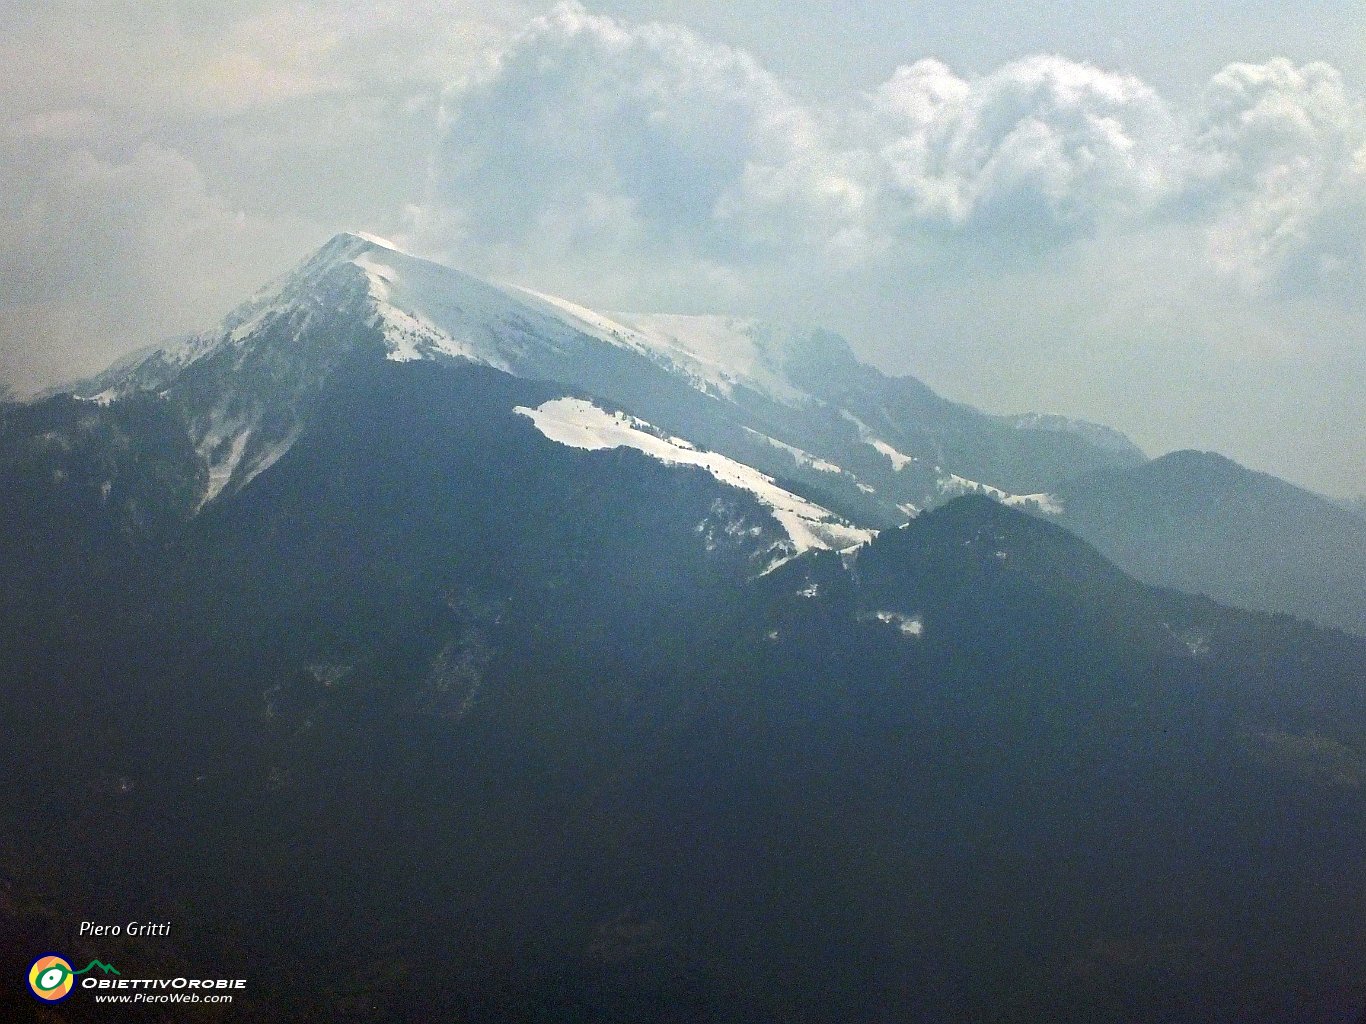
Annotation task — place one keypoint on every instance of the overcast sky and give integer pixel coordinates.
(1148, 214)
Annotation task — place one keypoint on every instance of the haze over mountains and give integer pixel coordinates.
(422, 632)
(725, 384)
(1200, 522)
(792, 404)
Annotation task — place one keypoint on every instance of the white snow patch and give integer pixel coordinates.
(236, 432)
(1048, 504)
(222, 469)
(1197, 641)
(898, 460)
(269, 457)
(954, 484)
(733, 525)
(800, 457)
(588, 320)
(715, 354)
(581, 424)
(908, 625)
(192, 349)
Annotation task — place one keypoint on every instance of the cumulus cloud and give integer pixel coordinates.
(1042, 144)
(1285, 175)
(589, 135)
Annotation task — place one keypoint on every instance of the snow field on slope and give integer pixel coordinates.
(581, 424)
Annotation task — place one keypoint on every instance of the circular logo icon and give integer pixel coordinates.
(51, 978)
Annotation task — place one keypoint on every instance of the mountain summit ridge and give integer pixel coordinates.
(794, 403)
(790, 411)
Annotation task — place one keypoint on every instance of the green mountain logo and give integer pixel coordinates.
(106, 968)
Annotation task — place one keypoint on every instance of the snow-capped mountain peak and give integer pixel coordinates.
(793, 405)
(383, 243)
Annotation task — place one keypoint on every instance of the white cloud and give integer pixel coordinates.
(623, 145)
(589, 139)
(1041, 144)
(1286, 176)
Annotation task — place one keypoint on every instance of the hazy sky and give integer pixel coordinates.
(1148, 214)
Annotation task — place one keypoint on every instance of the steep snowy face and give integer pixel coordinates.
(427, 311)
(424, 310)
(324, 288)
(414, 308)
